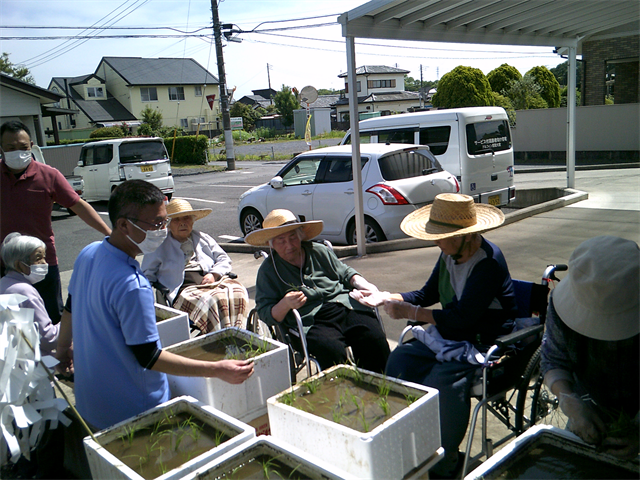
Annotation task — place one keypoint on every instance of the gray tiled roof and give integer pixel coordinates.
(325, 101)
(383, 97)
(373, 69)
(160, 71)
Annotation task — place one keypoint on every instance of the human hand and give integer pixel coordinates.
(584, 420)
(65, 359)
(294, 299)
(233, 371)
(370, 298)
(210, 278)
(397, 309)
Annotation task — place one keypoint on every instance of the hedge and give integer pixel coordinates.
(189, 150)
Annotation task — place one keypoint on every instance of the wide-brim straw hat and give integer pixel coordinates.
(451, 215)
(179, 207)
(598, 298)
(280, 221)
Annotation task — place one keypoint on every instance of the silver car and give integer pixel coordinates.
(318, 185)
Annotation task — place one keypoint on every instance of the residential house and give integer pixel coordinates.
(122, 87)
(28, 104)
(379, 89)
(260, 98)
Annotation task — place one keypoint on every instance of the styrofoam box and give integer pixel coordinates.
(391, 450)
(560, 439)
(245, 401)
(174, 326)
(308, 466)
(104, 465)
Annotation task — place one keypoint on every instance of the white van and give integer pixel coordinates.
(106, 164)
(473, 143)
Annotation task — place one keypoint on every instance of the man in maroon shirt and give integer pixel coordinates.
(28, 190)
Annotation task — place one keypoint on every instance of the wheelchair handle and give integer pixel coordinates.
(550, 272)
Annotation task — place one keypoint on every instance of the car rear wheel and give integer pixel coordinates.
(250, 220)
(372, 232)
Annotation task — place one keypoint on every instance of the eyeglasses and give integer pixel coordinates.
(154, 226)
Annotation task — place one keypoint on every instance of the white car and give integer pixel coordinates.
(318, 185)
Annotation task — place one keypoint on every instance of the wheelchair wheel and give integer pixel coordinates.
(535, 403)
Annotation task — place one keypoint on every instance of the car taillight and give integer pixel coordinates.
(512, 193)
(457, 184)
(388, 195)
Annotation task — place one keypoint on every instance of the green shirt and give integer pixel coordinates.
(323, 279)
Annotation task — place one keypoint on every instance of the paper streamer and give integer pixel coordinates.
(27, 399)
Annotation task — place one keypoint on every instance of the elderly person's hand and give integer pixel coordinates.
(211, 278)
(584, 421)
(294, 299)
(369, 298)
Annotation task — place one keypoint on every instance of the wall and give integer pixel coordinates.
(64, 158)
(320, 121)
(599, 128)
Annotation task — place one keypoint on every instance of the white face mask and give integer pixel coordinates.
(152, 240)
(37, 272)
(18, 159)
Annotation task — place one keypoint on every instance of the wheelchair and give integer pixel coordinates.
(298, 359)
(509, 384)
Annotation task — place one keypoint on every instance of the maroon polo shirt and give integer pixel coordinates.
(26, 202)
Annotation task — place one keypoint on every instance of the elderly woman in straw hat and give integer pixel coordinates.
(309, 277)
(471, 281)
(590, 350)
(193, 267)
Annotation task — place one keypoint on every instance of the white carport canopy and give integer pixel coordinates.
(564, 24)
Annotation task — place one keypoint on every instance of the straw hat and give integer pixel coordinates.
(598, 297)
(280, 221)
(451, 215)
(179, 207)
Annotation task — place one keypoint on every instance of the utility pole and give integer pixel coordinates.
(269, 79)
(421, 91)
(224, 98)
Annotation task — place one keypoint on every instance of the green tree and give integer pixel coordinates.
(21, 73)
(500, 78)
(525, 94)
(463, 87)
(560, 72)
(413, 85)
(563, 97)
(286, 103)
(328, 91)
(248, 114)
(152, 117)
(505, 102)
(550, 88)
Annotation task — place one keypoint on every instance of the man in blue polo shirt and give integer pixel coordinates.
(118, 360)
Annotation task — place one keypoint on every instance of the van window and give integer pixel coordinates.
(436, 137)
(484, 137)
(133, 152)
(365, 137)
(103, 154)
(86, 156)
(400, 135)
(407, 165)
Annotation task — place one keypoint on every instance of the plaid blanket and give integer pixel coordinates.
(215, 306)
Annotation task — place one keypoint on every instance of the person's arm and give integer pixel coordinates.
(230, 371)
(290, 301)
(89, 216)
(221, 261)
(398, 309)
(64, 349)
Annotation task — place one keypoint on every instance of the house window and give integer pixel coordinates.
(198, 90)
(176, 93)
(346, 87)
(184, 123)
(381, 84)
(95, 92)
(148, 94)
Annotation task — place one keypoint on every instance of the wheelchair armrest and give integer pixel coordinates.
(161, 288)
(515, 337)
(232, 275)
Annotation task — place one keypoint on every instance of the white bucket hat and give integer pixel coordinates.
(280, 221)
(598, 297)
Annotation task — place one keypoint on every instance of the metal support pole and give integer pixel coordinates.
(355, 146)
(224, 98)
(571, 119)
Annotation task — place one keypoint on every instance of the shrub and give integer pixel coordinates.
(107, 132)
(188, 150)
(264, 132)
(463, 87)
(550, 88)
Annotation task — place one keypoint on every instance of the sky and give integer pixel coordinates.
(284, 49)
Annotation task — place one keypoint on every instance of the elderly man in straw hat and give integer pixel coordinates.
(194, 268)
(590, 352)
(472, 283)
(309, 277)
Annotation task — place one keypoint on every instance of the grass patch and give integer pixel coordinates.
(208, 168)
(247, 158)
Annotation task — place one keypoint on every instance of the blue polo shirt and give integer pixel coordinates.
(113, 307)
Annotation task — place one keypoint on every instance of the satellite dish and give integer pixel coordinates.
(308, 94)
